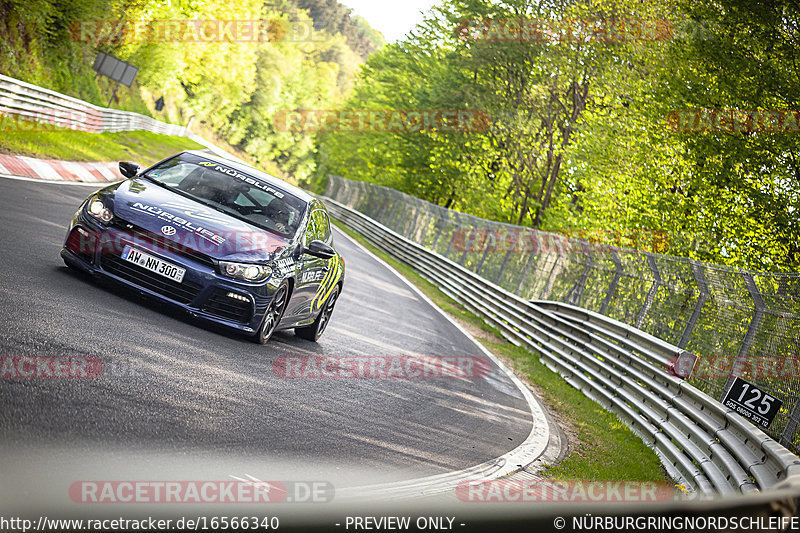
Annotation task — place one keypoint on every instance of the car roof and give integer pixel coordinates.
(248, 169)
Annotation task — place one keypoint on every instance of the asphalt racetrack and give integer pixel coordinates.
(181, 401)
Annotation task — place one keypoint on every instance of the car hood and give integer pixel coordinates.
(192, 224)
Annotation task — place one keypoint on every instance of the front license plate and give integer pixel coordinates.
(153, 264)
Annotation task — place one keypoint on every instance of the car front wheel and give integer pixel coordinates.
(273, 315)
(315, 330)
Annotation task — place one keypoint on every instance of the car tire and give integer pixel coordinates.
(273, 315)
(315, 330)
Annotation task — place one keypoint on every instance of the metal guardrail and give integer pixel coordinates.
(739, 323)
(38, 104)
(704, 445)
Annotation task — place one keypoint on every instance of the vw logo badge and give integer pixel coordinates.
(168, 231)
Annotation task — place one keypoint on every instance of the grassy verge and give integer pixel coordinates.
(601, 447)
(20, 138)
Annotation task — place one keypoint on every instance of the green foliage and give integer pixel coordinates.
(232, 89)
(333, 17)
(37, 48)
(580, 138)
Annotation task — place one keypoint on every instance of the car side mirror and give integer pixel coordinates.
(128, 170)
(319, 249)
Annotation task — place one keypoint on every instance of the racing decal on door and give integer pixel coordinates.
(311, 276)
(328, 283)
(285, 266)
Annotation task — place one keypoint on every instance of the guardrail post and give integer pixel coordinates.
(412, 228)
(353, 194)
(422, 223)
(396, 212)
(356, 194)
(505, 259)
(466, 245)
(752, 329)
(576, 292)
(381, 200)
(339, 185)
(347, 194)
(430, 220)
(458, 227)
(443, 218)
(385, 202)
(503, 267)
(378, 202)
(368, 205)
(363, 199)
(330, 188)
(403, 222)
(473, 226)
(700, 279)
(528, 265)
(651, 262)
(555, 269)
(483, 257)
(612, 288)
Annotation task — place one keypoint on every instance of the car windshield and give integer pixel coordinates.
(232, 192)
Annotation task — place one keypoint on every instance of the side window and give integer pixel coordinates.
(319, 227)
(312, 233)
(325, 226)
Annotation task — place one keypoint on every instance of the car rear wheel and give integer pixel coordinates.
(273, 315)
(314, 331)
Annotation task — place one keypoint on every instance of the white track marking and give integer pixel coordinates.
(524, 454)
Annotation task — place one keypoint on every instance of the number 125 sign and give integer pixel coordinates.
(752, 403)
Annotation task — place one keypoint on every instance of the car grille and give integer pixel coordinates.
(142, 235)
(221, 305)
(180, 292)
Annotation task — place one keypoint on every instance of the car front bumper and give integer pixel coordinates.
(203, 293)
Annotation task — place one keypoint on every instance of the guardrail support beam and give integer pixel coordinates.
(700, 279)
(651, 262)
(612, 288)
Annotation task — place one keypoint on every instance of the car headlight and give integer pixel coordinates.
(98, 210)
(245, 271)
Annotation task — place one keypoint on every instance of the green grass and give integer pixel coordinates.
(601, 447)
(60, 143)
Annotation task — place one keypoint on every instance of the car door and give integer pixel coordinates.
(313, 270)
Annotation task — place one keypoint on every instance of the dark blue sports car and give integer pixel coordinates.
(222, 240)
